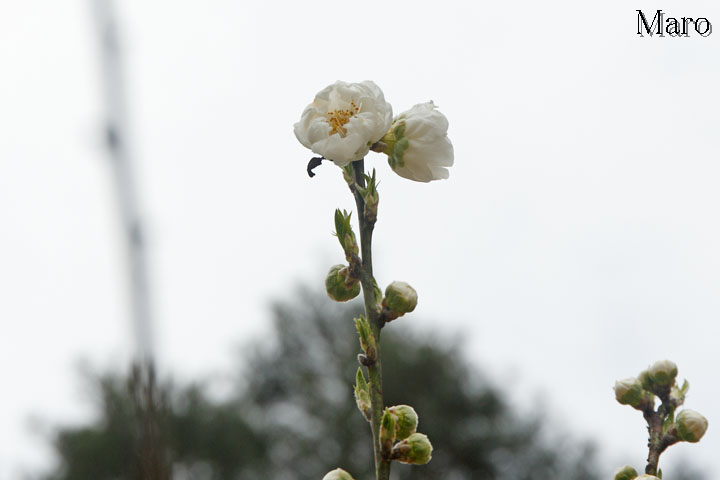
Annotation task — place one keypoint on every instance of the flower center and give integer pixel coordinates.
(338, 118)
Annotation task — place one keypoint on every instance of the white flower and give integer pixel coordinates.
(344, 120)
(417, 144)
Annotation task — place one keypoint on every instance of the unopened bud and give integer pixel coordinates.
(663, 373)
(400, 298)
(646, 476)
(406, 421)
(415, 450)
(691, 426)
(630, 392)
(625, 473)
(338, 474)
(339, 286)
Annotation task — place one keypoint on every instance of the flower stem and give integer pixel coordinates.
(655, 434)
(658, 441)
(372, 313)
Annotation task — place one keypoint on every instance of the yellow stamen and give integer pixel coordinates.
(338, 118)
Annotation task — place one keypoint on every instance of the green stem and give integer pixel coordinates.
(382, 466)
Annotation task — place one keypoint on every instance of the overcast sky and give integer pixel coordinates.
(575, 242)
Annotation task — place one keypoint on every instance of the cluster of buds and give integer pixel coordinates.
(664, 426)
(344, 122)
(399, 438)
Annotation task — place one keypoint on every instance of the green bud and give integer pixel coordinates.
(415, 450)
(625, 473)
(387, 432)
(691, 426)
(646, 381)
(338, 474)
(663, 373)
(339, 286)
(630, 392)
(362, 393)
(406, 421)
(400, 298)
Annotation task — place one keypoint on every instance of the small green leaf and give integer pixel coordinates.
(362, 394)
(339, 224)
(685, 387)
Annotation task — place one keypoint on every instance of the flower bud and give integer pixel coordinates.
(415, 450)
(630, 392)
(663, 373)
(646, 476)
(400, 298)
(625, 473)
(645, 380)
(417, 144)
(691, 426)
(339, 286)
(406, 421)
(338, 474)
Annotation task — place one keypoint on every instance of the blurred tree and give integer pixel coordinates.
(293, 415)
(683, 470)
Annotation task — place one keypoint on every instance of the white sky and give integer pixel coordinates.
(575, 242)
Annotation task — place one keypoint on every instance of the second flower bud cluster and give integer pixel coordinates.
(659, 381)
(665, 426)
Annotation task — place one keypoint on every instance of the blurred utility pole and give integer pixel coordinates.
(153, 462)
(116, 127)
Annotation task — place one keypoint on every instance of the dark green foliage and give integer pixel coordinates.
(294, 416)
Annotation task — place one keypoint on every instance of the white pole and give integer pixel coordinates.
(117, 143)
